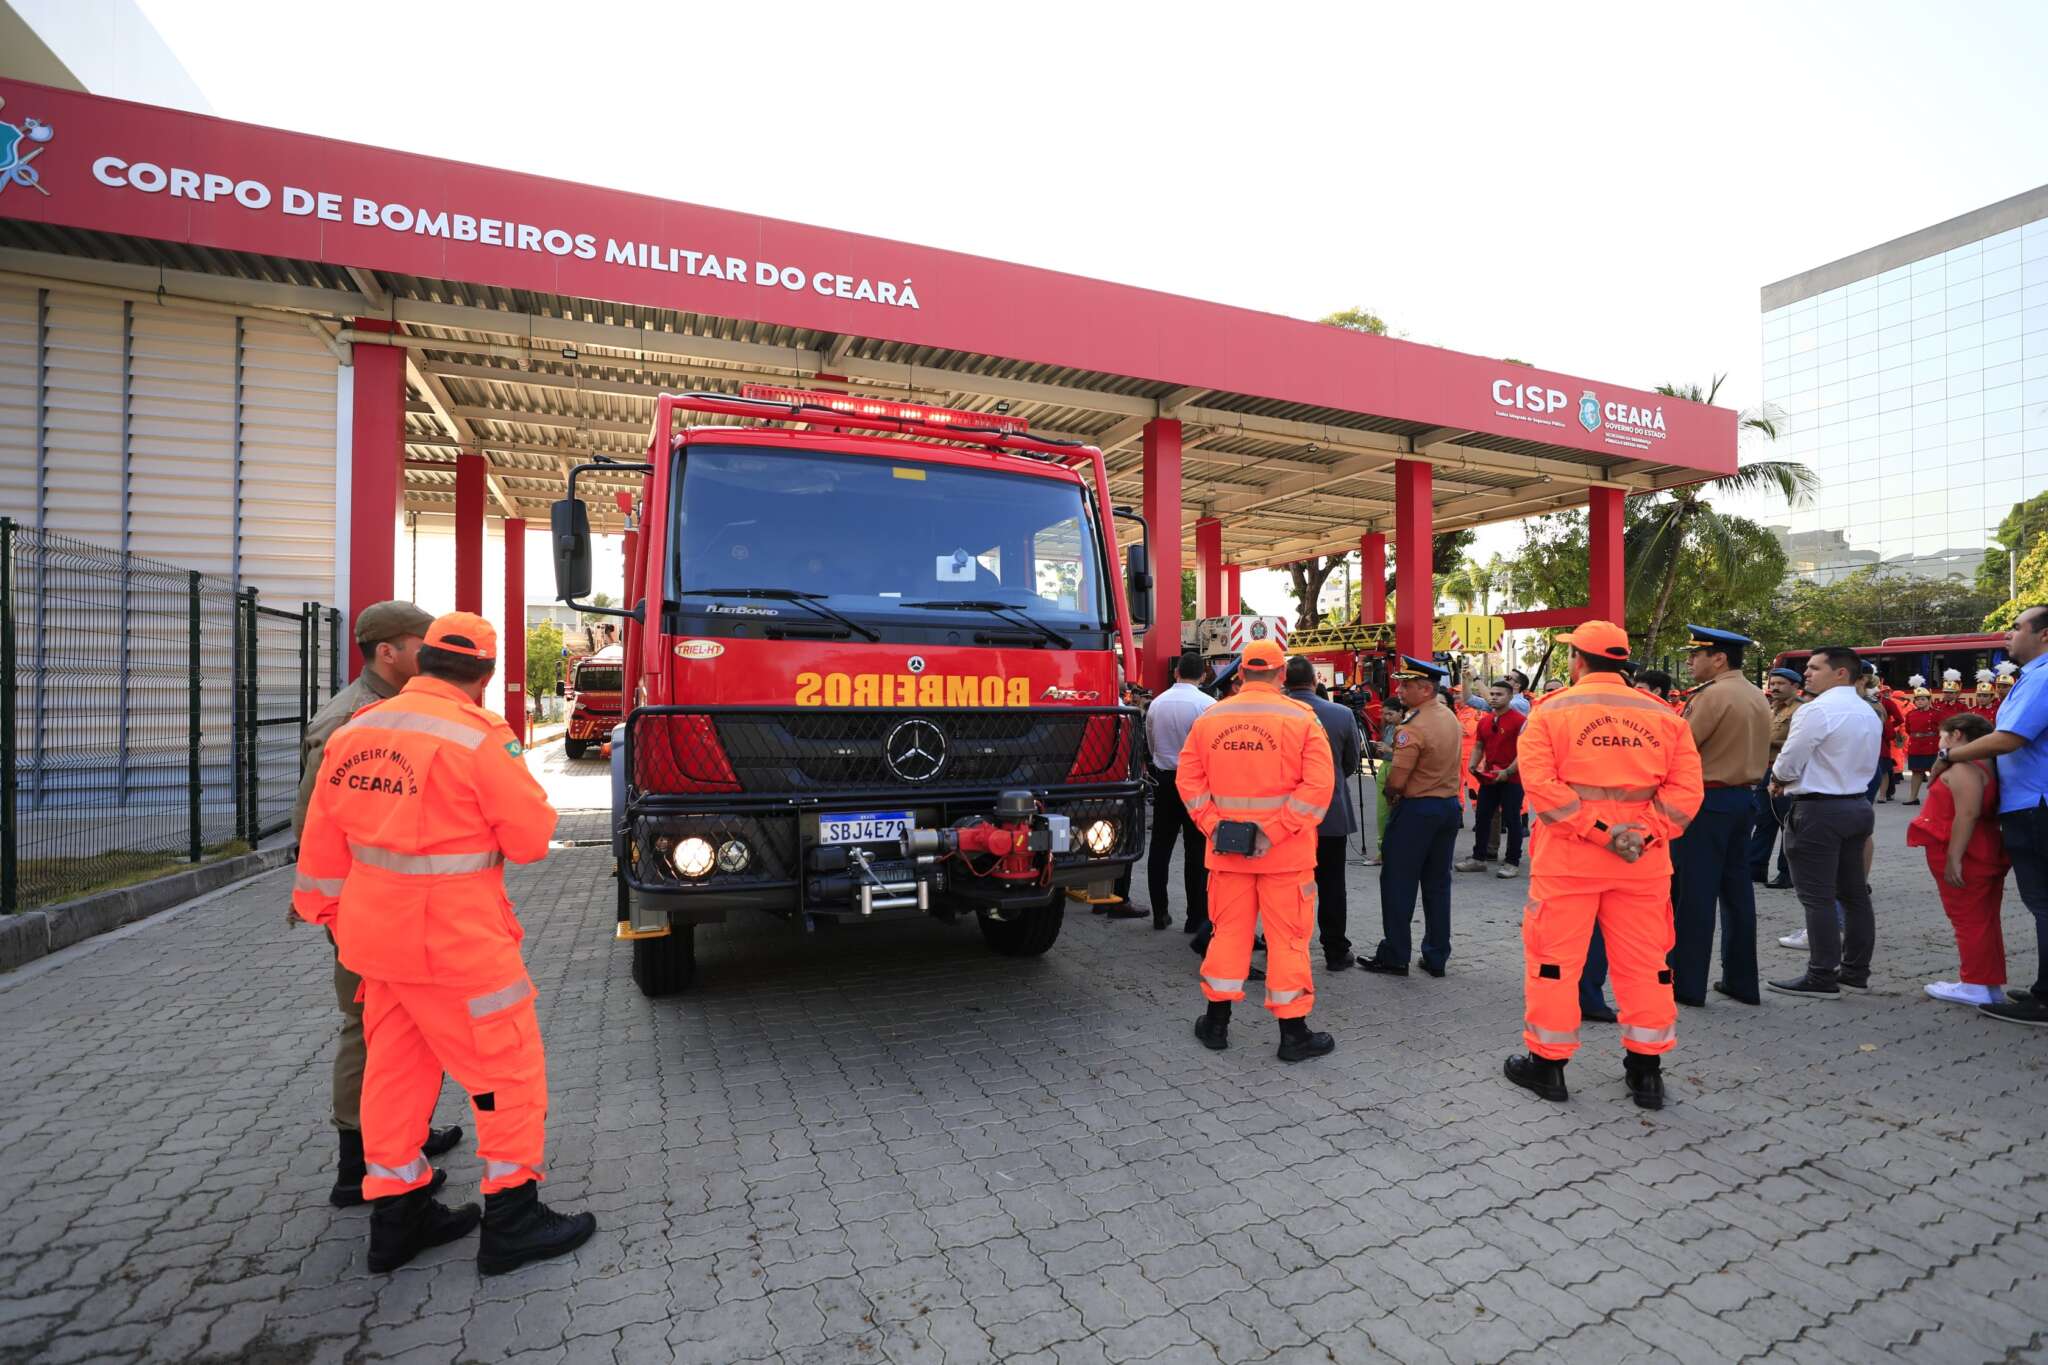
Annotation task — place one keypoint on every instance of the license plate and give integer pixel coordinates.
(863, 827)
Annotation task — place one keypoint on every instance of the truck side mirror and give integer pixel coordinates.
(569, 521)
(1138, 580)
(561, 688)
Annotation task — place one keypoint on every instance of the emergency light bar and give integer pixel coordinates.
(855, 406)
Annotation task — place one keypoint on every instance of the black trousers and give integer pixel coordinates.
(1170, 821)
(1824, 842)
(1502, 799)
(1332, 910)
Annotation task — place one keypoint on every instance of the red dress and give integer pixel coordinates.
(1974, 907)
(1923, 732)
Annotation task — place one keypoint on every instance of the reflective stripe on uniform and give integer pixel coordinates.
(1265, 708)
(1304, 808)
(1593, 793)
(1555, 1037)
(1197, 801)
(1282, 997)
(384, 718)
(325, 886)
(1674, 815)
(1564, 812)
(1634, 1033)
(1250, 802)
(1219, 983)
(498, 1170)
(425, 864)
(410, 1173)
(1611, 697)
(504, 998)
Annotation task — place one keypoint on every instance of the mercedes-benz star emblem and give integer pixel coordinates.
(915, 750)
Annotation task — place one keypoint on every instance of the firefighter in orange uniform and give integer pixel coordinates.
(420, 801)
(1255, 774)
(1611, 778)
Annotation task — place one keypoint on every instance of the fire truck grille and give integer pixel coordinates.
(820, 752)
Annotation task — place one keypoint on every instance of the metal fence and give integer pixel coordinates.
(150, 715)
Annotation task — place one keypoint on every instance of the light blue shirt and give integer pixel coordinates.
(1481, 704)
(2023, 774)
(1169, 718)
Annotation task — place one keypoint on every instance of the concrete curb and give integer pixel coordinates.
(35, 934)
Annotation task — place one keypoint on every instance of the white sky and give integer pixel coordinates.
(1600, 189)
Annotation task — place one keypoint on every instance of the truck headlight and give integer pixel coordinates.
(693, 857)
(734, 855)
(1100, 836)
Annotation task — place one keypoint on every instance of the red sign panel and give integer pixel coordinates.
(111, 166)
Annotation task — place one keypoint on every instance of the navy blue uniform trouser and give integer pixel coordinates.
(1171, 822)
(1593, 976)
(1421, 842)
(1764, 834)
(2026, 843)
(1710, 880)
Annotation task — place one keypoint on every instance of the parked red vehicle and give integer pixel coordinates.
(596, 686)
(1902, 656)
(874, 667)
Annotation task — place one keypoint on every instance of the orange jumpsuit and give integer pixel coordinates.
(1263, 757)
(1468, 721)
(420, 801)
(1602, 752)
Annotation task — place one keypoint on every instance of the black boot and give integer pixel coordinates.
(1539, 1074)
(1213, 1028)
(404, 1225)
(1645, 1074)
(349, 1169)
(1297, 1044)
(519, 1228)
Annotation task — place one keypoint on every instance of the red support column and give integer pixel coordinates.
(1208, 567)
(1372, 577)
(1415, 591)
(1233, 599)
(1162, 515)
(376, 489)
(1604, 591)
(469, 532)
(512, 633)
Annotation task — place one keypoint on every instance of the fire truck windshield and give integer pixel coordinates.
(886, 540)
(605, 677)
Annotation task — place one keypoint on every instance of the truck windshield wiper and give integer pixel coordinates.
(1002, 611)
(810, 601)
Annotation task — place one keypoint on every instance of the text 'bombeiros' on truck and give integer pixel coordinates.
(873, 661)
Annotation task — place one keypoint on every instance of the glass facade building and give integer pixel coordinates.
(1913, 379)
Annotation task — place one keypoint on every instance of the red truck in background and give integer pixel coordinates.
(596, 687)
(873, 659)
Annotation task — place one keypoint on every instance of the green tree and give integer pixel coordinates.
(1867, 606)
(1307, 578)
(1357, 320)
(1680, 526)
(2030, 582)
(543, 659)
(1187, 594)
(2024, 527)
(597, 599)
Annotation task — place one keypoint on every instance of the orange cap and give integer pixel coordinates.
(463, 632)
(1263, 654)
(1601, 639)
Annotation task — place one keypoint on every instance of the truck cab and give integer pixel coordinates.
(872, 666)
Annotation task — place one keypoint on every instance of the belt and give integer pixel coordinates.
(1828, 796)
(1730, 786)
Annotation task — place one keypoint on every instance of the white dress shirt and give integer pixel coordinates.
(1832, 746)
(1168, 720)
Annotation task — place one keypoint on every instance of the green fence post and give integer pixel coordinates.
(9, 870)
(255, 726)
(193, 777)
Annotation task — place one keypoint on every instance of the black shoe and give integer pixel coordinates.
(1779, 883)
(519, 1228)
(1858, 984)
(349, 1170)
(1433, 971)
(1254, 974)
(1200, 942)
(1160, 919)
(1338, 962)
(1124, 910)
(1599, 1014)
(1539, 1074)
(2028, 1011)
(1698, 1002)
(1194, 926)
(1645, 1077)
(1298, 1043)
(1806, 988)
(1760, 878)
(1381, 967)
(404, 1225)
(1213, 1028)
(1725, 989)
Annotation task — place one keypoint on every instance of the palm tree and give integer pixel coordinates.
(1684, 514)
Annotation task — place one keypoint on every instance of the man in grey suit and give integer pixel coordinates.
(1339, 821)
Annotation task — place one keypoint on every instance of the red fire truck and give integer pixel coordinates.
(596, 685)
(1901, 657)
(874, 663)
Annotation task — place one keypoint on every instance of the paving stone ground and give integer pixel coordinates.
(894, 1146)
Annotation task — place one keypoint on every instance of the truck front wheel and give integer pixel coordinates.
(575, 748)
(1027, 933)
(668, 965)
